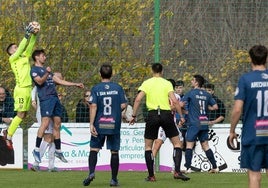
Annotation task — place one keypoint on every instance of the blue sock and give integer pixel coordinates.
(92, 161)
(114, 165)
(211, 158)
(188, 157)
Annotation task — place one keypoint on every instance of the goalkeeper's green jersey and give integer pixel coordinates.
(20, 63)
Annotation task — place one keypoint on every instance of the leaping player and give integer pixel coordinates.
(20, 65)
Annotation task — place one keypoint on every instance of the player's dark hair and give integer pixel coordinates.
(172, 82)
(258, 55)
(179, 83)
(8, 48)
(199, 79)
(157, 67)
(106, 71)
(209, 86)
(37, 53)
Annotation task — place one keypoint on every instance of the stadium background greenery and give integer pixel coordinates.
(206, 37)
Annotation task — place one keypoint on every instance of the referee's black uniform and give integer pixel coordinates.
(158, 91)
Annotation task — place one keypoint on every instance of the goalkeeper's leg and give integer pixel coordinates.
(12, 129)
(14, 125)
(22, 98)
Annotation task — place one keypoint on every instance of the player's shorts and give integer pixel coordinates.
(162, 135)
(164, 120)
(22, 98)
(112, 141)
(193, 133)
(254, 157)
(51, 107)
(49, 129)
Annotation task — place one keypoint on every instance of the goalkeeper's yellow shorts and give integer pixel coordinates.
(22, 98)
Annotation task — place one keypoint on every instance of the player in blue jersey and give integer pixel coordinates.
(50, 106)
(198, 102)
(107, 101)
(251, 98)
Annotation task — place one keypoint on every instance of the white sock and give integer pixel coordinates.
(51, 156)
(43, 147)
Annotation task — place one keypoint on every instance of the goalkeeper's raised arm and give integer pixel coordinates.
(20, 65)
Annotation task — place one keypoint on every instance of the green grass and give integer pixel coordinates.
(69, 179)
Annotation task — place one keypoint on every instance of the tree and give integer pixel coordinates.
(206, 37)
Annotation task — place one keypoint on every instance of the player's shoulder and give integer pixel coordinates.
(148, 81)
(199, 92)
(36, 67)
(253, 76)
(254, 73)
(193, 91)
(106, 86)
(33, 67)
(116, 85)
(109, 84)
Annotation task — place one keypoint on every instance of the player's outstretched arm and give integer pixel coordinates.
(22, 44)
(67, 83)
(29, 50)
(19, 51)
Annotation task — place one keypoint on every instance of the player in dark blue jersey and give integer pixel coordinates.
(107, 101)
(198, 102)
(50, 105)
(251, 100)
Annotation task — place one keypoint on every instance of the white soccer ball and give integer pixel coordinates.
(36, 26)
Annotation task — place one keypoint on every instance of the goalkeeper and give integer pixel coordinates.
(20, 65)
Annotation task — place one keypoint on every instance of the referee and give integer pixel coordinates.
(158, 92)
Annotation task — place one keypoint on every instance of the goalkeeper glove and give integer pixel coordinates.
(28, 30)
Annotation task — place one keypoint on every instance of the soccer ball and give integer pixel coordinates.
(36, 26)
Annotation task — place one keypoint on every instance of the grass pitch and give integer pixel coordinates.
(73, 179)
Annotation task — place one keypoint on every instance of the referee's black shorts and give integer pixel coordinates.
(165, 120)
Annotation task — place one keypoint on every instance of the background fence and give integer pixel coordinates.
(207, 37)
